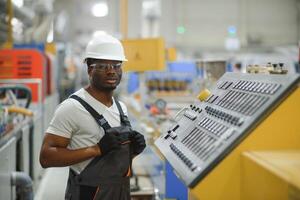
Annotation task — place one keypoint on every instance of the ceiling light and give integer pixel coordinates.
(18, 3)
(15, 21)
(98, 33)
(100, 9)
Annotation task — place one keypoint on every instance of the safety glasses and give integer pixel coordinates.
(106, 66)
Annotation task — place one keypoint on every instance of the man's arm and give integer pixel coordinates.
(54, 152)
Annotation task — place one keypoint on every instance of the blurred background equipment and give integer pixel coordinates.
(15, 142)
(144, 54)
(212, 70)
(28, 100)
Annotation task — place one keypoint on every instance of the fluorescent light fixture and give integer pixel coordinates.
(148, 5)
(15, 21)
(97, 33)
(100, 9)
(18, 3)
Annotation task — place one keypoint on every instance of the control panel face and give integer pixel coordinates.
(205, 132)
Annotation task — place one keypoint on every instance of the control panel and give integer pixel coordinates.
(205, 132)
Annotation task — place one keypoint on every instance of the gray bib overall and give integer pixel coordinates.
(105, 177)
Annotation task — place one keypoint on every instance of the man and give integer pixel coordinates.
(91, 133)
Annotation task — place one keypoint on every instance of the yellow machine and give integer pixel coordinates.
(236, 178)
(277, 175)
(240, 143)
(144, 54)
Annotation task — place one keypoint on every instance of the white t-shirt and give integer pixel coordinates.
(72, 120)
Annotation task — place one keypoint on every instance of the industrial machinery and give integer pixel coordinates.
(33, 69)
(244, 112)
(15, 141)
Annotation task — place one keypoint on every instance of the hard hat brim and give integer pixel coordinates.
(105, 57)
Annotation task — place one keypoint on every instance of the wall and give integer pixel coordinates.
(264, 22)
(259, 22)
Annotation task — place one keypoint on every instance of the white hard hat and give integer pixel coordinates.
(105, 47)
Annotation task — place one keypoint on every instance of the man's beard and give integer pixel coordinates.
(104, 87)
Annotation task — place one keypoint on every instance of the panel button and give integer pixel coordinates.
(183, 157)
(190, 115)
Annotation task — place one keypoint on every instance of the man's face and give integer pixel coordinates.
(105, 74)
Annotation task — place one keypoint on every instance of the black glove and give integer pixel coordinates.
(138, 142)
(108, 143)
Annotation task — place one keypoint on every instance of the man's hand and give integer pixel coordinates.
(108, 143)
(138, 142)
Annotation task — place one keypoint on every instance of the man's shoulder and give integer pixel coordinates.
(69, 104)
(80, 92)
(66, 105)
(70, 101)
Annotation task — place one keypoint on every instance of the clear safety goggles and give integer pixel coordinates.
(107, 66)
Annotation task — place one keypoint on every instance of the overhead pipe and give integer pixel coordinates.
(9, 7)
(124, 18)
(24, 185)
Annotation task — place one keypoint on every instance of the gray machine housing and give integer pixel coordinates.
(205, 132)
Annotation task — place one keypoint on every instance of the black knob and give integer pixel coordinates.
(281, 65)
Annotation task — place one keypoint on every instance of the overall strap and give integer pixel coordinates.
(101, 121)
(123, 117)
